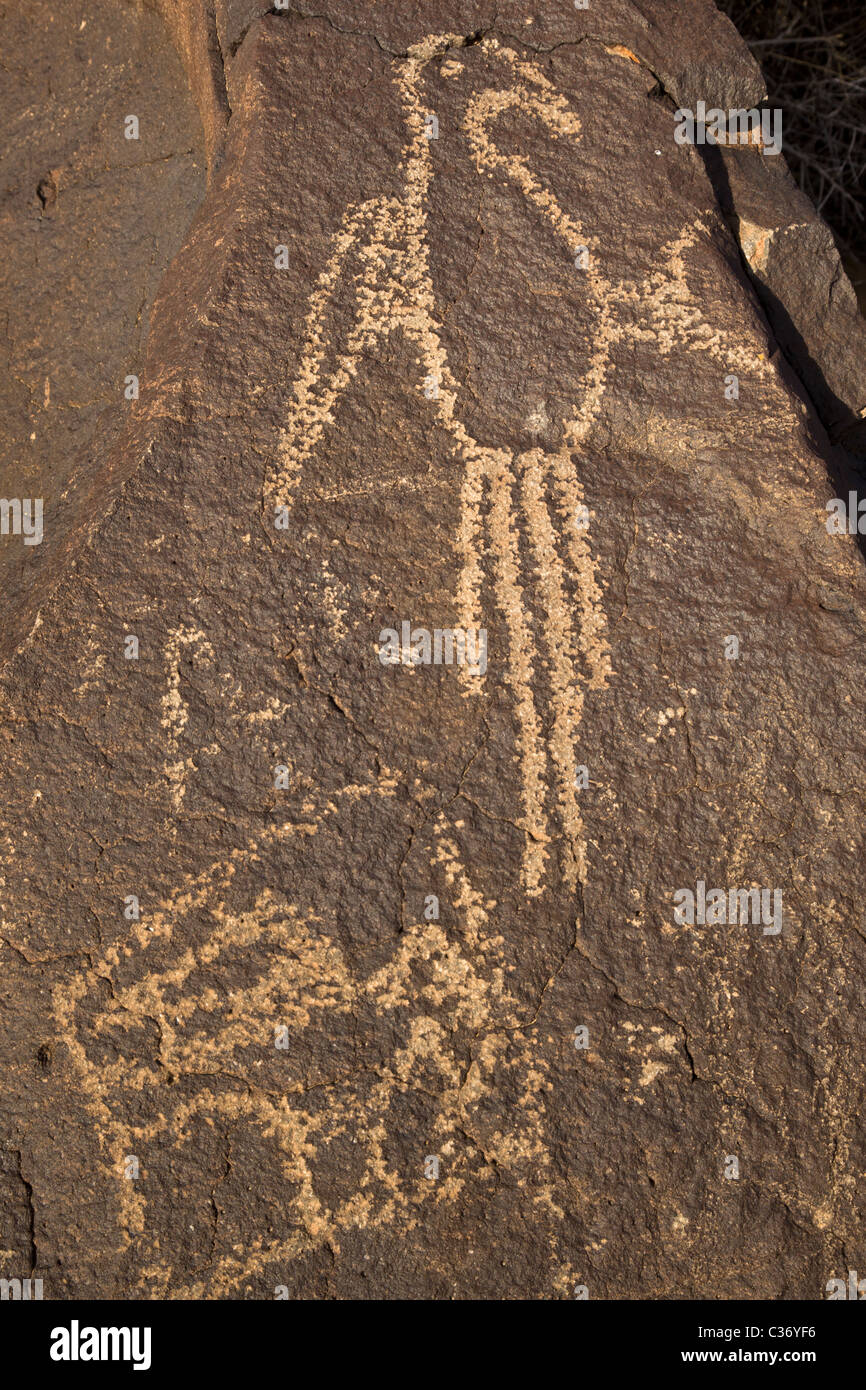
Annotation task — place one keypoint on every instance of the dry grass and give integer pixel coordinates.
(813, 55)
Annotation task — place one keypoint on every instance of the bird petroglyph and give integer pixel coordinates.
(169, 982)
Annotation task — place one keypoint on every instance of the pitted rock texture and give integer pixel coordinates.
(288, 1072)
(89, 222)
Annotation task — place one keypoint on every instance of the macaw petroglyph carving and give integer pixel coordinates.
(538, 490)
(159, 1007)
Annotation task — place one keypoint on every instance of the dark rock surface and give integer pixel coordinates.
(89, 221)
(464, 429)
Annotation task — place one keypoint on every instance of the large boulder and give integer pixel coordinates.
(334, 969)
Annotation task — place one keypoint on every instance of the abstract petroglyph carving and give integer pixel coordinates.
(175, 714)
(305, 983)
(394, 292)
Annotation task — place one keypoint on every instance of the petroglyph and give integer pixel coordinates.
(162, 1007)
(175, 712)
(213, 1039)
(384, 243)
